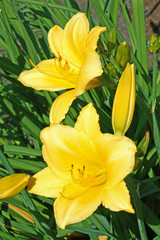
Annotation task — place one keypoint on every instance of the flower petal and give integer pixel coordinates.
(78, 209)
(88, 121)
(73, 43)
(118, 154)
(55, 36)
(13, 184)
(117, 198)
(93, 36)
(46, 183)
(124, 101)
(65, 148)
(48, 75)
(90, 69)
(61, 106)
(73, 190)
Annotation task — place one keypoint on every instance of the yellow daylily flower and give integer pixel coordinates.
(124, 101)
(85, 168)
(13, 184)
(76, 64)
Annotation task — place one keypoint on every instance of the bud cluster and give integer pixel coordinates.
(154, 43)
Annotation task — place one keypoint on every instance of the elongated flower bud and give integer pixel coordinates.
(13, 184)
(124, 101)
(123, 55)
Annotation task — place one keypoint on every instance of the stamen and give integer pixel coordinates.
(60, 70)
(89, 180)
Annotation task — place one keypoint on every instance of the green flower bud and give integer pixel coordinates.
(109, 67)
(156, 46)
(123, 55)
(153, 38)
(112, 71)
(111, 39)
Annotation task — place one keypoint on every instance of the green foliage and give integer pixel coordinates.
(24, 112)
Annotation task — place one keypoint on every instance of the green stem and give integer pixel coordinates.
(155, 65)
(138, 208)
(155, 129)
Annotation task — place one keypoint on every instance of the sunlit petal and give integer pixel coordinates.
(93, 36)
(64, 147)
(78, 209)
(46, 183)
(124, 101)
(117, 198)
(60, 106)
(55, 37)
(88, 121)
(118, 154)
(73, 42)
(13, 184)
(73, 190)
(48, 75)
(90, 69)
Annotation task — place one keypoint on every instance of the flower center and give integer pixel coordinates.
(64, 70)
(87, 180)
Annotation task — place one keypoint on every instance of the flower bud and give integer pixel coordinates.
(111, 70)
(156, 46)
(124, 101)
(153, 38)
(13, 184)
(111, 40)
(123, 54)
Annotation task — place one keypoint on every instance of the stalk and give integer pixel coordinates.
(138, 208)
(155, 129)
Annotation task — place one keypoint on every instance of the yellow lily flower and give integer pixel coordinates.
(85, 168)
(76, 64)
(13, 184)
(124, 101)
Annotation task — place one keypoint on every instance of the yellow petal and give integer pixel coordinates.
(73, 190)
(65, 147)
(55, 37)
(124, 101)
(88, 121)
(118, 155)
(117, 198)
(46, 183)
(78, 209)
(13, 184)
(90, 69)
(73, 43)
(61, 106)
(93, 36)
(48, 75)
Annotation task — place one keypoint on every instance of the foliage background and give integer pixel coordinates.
(24, 113)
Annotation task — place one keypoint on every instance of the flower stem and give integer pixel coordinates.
(138, 208)
(155, 129)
